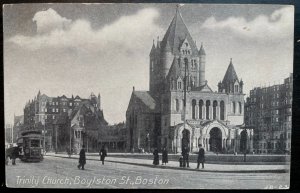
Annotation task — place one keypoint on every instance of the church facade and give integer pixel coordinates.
(155, 118)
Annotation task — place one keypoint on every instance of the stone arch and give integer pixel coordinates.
(223, 129)
(178, 136)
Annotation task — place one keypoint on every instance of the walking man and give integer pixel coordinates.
(82, 160)
(103, 154)
(164, 156)
(201, 157)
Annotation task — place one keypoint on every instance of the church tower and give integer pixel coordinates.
(169, 57)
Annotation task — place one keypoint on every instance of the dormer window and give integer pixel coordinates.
(186, 44)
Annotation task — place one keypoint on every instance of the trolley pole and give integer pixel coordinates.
(44, 144)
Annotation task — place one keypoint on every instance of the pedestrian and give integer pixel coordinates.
(14, 154)
(103, 154)
(180, 161)
(185, 155)
(201, 157)
(156, 157)
(164, 156)
(82, 159)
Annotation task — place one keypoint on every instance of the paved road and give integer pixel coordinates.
(56, 172)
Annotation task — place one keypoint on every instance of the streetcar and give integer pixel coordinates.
(30, 144)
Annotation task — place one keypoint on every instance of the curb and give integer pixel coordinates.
(187, 169)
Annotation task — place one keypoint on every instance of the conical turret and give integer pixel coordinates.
(230, 81)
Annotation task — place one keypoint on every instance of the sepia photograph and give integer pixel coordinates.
(148, 95)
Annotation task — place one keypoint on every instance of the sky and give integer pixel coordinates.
(65, 49)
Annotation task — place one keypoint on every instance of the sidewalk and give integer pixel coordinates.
(175, 165)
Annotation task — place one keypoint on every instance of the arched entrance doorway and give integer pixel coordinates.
(243, 141)
(215, 140)
(185, 141)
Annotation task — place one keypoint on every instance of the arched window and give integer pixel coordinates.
(207, 109)
(222, 110)
(236, 88)
(179, 86)
(240, 107)
(200, 109)
(215, 104)
(233, 107)
(177, 105)
(193, 109)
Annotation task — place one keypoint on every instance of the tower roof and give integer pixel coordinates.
(177, 33)
(230, 75)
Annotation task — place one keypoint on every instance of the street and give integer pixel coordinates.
(55, 172)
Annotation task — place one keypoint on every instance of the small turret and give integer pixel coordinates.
(220, 87)
(202, 51)
(153, 49)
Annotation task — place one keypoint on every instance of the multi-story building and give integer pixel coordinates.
(58, 116)
(156, 118)
(18, 126)
(9, 133)
(268, 110)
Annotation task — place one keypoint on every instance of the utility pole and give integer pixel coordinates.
(44, 145)
(70, 138)
(185, 136)
(55, 139)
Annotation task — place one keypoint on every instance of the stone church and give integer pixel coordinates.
(215, 119)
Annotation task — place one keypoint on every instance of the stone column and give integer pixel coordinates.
(178, 144)
(204, 112)
(225, 111)
(229, 143)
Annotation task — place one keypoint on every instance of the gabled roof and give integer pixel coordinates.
(176, 34)
(230, 75)
(203, 88)
(146, 98)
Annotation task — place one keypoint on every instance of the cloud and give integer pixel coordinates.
(47, 21)
(128, 32)
(109, 60)
(278, 25)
